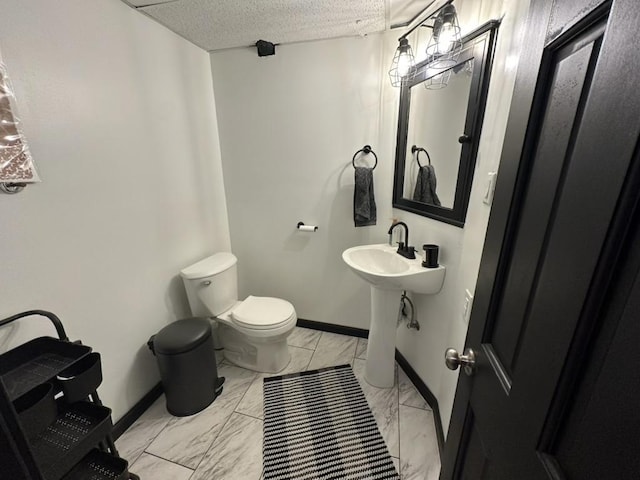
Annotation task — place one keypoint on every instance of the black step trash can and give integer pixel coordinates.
(187, 363)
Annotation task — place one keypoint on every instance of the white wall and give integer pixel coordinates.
(289, 126)
(120, 117)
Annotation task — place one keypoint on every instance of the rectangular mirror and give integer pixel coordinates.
(439, 125)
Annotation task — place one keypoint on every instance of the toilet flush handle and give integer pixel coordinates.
(206, 283)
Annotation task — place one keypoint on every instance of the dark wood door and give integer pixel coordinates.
(556, 314)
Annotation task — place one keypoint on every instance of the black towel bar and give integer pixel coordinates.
(415, 149)
(366, 150)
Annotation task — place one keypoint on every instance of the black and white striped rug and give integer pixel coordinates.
(318, 425)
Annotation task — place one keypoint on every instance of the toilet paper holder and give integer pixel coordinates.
(306, 228)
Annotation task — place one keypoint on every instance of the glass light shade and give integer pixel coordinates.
(403, 64)
(447, 38)
(445, 43)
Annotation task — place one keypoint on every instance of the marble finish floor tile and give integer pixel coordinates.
(144, 430)
(185, 440)
(225, 440)
(396, 463)
(236, 453)
(419, 456)
(409, 395)
(361, 349)
(384, 406)
(333, 349)
(304, 338)
(148, 466)
(252, 402)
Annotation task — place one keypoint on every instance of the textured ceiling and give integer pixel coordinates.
(219, 24)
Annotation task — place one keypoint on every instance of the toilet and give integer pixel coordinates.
(253, 332)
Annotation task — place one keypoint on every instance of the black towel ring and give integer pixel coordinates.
(415, 149)
(366, 150)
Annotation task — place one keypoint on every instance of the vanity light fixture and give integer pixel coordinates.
(443, 48)
(445, 43)
(403, 64)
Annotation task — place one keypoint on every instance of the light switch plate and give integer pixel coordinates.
(491, 187)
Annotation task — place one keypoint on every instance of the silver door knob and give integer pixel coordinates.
(453, 360)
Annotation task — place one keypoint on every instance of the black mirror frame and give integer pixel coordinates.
(482, 55)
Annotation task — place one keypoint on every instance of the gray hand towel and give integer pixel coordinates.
(425, 191)
(364, 203)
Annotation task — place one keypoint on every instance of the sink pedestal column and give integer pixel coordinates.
(381, 349)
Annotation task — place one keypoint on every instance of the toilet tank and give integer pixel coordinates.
(212, 284)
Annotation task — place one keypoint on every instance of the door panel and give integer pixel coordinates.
(572, 68)
(597, 431)
(534, 276)
(599, 438)
(476, 464)
(565, 15)
(558, 254)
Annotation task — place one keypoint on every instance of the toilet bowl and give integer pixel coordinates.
(253, 332)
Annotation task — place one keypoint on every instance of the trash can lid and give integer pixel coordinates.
(182, 336)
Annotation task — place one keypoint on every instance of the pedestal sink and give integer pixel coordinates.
(388, 274)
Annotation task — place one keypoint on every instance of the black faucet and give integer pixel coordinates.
(404, 248)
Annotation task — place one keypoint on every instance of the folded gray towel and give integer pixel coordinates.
(364, 203)
(425, 191)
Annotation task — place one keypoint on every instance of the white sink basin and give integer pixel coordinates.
(387, 274)
(382, 267)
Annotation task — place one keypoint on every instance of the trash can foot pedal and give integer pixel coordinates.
(219, 384)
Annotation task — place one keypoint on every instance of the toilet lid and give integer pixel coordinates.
(262, 312)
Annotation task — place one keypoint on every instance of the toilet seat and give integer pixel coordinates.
(262, 313)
